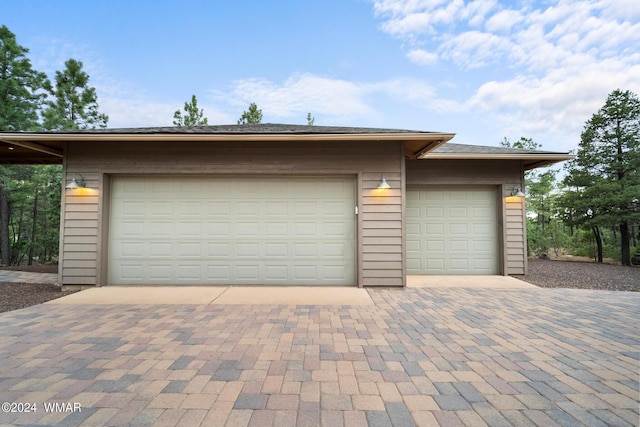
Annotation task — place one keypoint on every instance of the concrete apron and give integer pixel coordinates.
(491, 282)
(271, 295)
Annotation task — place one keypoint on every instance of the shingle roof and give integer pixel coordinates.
(530, 159)
(47, 147)
(453, 148)
(246, 129)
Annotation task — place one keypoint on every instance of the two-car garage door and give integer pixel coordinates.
(232, 230)
(452, 231)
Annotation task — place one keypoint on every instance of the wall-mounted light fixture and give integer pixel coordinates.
(76, 182)
(516, 192)
(384, 185)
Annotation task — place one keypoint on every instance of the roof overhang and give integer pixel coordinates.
(529, 160)
(25, 151)
(48, 147)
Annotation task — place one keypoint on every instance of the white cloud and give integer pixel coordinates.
(559, 103)
(503, 21)
(557, 60)
(129, 106)
(474, 49)
(336, 100)
(422, 57)
(299, 94)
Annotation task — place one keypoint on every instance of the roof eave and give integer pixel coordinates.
(53, 137)
(531, 161)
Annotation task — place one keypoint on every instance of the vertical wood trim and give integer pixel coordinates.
(524, 221)
(403, 207)
(359, 232)
(502, 221)
(61, 253)
(103, 233)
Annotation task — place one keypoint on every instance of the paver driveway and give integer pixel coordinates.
(417, 357)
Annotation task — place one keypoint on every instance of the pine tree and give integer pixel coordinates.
(75, 104)
(192, 116)
(252, 116)
(21, 87)
(605, 173)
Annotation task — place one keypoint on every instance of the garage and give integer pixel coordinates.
(452, 231)
(248, 230)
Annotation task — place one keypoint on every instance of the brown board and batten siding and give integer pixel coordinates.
(379, 224)
(382, 225)
(80, 223)
(504, 175)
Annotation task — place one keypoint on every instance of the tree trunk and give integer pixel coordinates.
(598, 236)
(625, 240)
(4, 226)
(34, 228)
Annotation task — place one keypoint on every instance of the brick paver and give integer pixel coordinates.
(418, 357)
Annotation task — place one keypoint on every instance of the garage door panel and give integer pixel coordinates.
(157, 209)
(458, 245)
(130, 208)
(457, 229)
(130, 228)
(308, 208)
(158, 250)
(218, 208)
(217, 273)
(277, 208)
(458, 212)
(217, 229)
(432, 212)
(335, 229)
(130, 249)
(275, 229)
(247, 273)
(276, 250)
(232, 231)
(306, 229)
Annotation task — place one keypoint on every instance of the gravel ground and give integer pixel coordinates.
(582, 275)
(544, 273)
(15, 295)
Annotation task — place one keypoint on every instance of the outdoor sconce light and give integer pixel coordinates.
(516, 192)
(384, 185)
(76, 183)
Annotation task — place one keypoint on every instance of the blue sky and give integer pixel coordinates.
(483, 69)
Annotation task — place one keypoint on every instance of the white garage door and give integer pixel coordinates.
(452, 231)
(234, 230)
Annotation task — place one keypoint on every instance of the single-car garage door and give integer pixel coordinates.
(232, 230)
(452, 231)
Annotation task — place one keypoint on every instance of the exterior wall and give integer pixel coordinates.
(504, 175)
(380, 220)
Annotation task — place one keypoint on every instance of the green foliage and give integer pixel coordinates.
(603, 179)
(545, 231)
(34, 212)
(523, 143)
(30, 195)
(310, 120)
(192, 116)
(21, 87)
(74, 104)
(253, 115)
